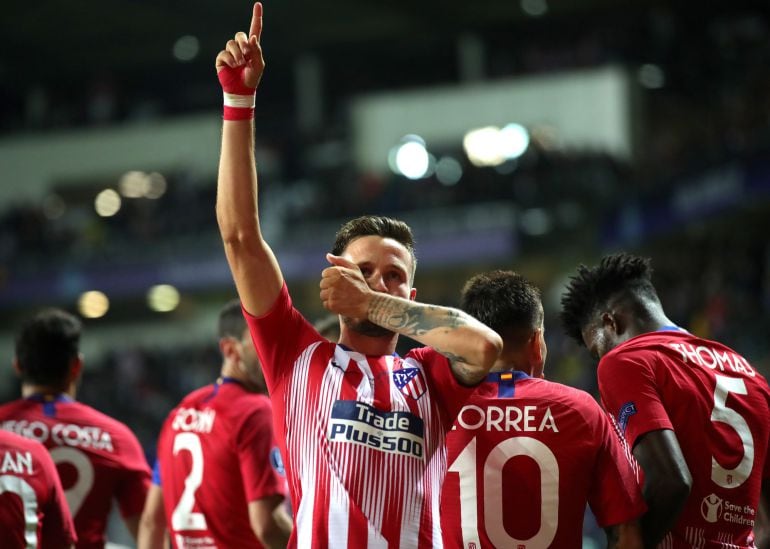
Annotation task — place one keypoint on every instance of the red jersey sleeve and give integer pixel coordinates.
(629, 392)
(448, 392)
(134, 483)
(279, 336)
(255, 445)
(58, 529)
(615, 495)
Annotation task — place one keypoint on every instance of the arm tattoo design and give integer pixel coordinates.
(407, 318)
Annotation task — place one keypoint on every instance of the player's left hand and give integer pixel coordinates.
(344, 290)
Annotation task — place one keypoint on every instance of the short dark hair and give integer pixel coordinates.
(617, 276)
(377, 225)
(505, 301)
(46, 345)
(231, 321)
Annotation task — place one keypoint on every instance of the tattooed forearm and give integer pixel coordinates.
(412, 319)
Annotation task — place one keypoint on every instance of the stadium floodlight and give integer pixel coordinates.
(163, 298)
(107, 203)
(492, 146)
(134, 184)
(410, 158)
(513, 141)
(93, 304)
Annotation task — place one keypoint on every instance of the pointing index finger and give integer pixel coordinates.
(255, 29)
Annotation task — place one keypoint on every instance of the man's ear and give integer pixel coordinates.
(16, 367)
(227, 347)
(412, 294)
(536, 348)
(76, 367)
(611, 320)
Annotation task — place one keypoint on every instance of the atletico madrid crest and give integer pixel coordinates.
(410, 381)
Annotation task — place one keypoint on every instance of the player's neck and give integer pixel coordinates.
(367, 345)
(31, 389)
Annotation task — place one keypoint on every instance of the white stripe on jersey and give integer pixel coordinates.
(378, 482)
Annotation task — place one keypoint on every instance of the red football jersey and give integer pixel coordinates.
(525, 456)
(217, 453)
(719, 408)
(363, 437)
(33, 510)
(98, 458)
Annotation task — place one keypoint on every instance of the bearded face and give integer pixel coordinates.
(366, 327)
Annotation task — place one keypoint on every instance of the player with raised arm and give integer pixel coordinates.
(362, 430)
(221, 473)
(33, 510)
(695, 412)
(526, 455)
(98, 458)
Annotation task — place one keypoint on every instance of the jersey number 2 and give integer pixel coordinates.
(183, 517)
(465, 466)
(732, 478)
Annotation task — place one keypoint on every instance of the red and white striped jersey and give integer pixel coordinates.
(362, 437)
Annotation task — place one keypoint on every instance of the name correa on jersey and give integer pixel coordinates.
(392, 432)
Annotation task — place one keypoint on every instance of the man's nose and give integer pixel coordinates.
(377, 283)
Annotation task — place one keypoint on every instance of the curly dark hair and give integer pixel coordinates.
(46, 345)
(618, 276)
(503, 300)
(378, 225)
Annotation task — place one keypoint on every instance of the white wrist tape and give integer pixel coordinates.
(239, 101)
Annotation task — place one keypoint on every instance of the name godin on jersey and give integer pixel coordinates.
(190, 419)
(392, 432)
(506, 418)
(62, 434)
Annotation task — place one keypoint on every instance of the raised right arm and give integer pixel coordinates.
(255, 270)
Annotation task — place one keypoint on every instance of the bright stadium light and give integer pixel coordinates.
(134, 184)
(481, 146)
(163, 298)
(107, 203)
(93, 304)
(492, 146)
(411, 158)
(513, 141)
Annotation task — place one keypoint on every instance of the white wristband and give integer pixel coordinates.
(239, 101)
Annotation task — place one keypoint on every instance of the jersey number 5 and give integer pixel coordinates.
(465, 466)
(732, 478)
(183, 517)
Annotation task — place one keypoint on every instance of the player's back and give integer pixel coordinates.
(33, 511)
(719, 408)
(98, 459)
(212, 451)
(524, 457)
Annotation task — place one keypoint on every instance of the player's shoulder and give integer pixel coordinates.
(12, 407)
(13, 440)
(83, 414)
(558, 392)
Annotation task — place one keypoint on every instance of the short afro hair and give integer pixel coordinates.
(593, 288)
